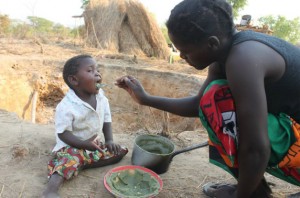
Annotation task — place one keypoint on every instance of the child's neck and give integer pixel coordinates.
(88, 98)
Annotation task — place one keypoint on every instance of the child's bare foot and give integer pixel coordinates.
(53, 186)
(50, 195)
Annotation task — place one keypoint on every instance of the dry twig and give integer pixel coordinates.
(22, 190)
(203, 181)
(157, 128)
(1, 190)
(12, 190)
(88, 176)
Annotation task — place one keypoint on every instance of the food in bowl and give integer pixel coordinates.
(133, 181)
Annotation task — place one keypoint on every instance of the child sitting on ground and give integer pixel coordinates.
(81, 115)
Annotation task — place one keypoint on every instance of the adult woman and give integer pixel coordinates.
(261, 74)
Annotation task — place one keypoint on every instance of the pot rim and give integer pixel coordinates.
(152, 135)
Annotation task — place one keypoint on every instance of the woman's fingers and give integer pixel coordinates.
(122, 80)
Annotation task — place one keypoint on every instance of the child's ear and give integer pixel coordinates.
(73, 80)
(213, 42)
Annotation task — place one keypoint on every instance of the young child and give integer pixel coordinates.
(80, 117)
(249, 103)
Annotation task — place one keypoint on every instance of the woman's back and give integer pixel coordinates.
(283, 95)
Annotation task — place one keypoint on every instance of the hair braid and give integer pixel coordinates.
(193, 20)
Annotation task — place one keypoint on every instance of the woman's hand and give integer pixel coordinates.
(133, 87)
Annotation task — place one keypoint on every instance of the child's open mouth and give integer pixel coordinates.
(100, 85)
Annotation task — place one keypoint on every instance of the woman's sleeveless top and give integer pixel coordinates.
(284, 94)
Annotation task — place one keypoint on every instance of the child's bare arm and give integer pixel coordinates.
(109, 142)
(73, 141)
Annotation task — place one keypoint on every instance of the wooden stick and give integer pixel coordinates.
(98, 43)
(33, 107)
(89, 176)
(82, 189)
(2, 190)
(157, 128)
(177, 189)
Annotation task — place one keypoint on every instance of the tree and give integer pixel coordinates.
(5, 24)
(283, 28)
(84, 3)
(41, 24)
(61, 31)
(237, 6)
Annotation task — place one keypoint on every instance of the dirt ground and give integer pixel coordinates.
(25, 147)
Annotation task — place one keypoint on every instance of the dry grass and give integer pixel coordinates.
(124, 26)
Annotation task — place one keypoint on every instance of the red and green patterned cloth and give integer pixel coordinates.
(68, 161)
(217, 114)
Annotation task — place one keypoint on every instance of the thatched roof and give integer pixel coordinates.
(264, 29)
(124, 26)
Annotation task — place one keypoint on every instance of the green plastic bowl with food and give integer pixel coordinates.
(133, 182)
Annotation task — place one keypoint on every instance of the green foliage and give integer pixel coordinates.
(283, 28)
(79, 31)
(40, 24)
(164, 30)
(84, 3)
(237, 6)
(5, 23)
(37, 27)
(22, 31)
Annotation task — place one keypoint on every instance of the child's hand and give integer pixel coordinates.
(92, 144)
(113, 148)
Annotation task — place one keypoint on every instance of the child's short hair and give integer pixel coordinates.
(71, 67)
(193, 20)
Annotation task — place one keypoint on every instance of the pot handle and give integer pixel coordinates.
(203, 144)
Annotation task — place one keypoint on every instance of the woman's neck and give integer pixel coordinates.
(225, 50)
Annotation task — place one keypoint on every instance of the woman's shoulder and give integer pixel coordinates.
(259, 59)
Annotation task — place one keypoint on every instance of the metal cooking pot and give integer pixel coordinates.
(156, 152)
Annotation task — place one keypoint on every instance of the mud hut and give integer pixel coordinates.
(124, 26)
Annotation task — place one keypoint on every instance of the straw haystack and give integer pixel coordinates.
(124, 26)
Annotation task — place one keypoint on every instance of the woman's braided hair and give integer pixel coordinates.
(71, 67)
(193, 20)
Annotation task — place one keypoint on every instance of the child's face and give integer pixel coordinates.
(88, 76)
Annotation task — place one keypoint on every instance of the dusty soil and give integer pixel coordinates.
(25, 147)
